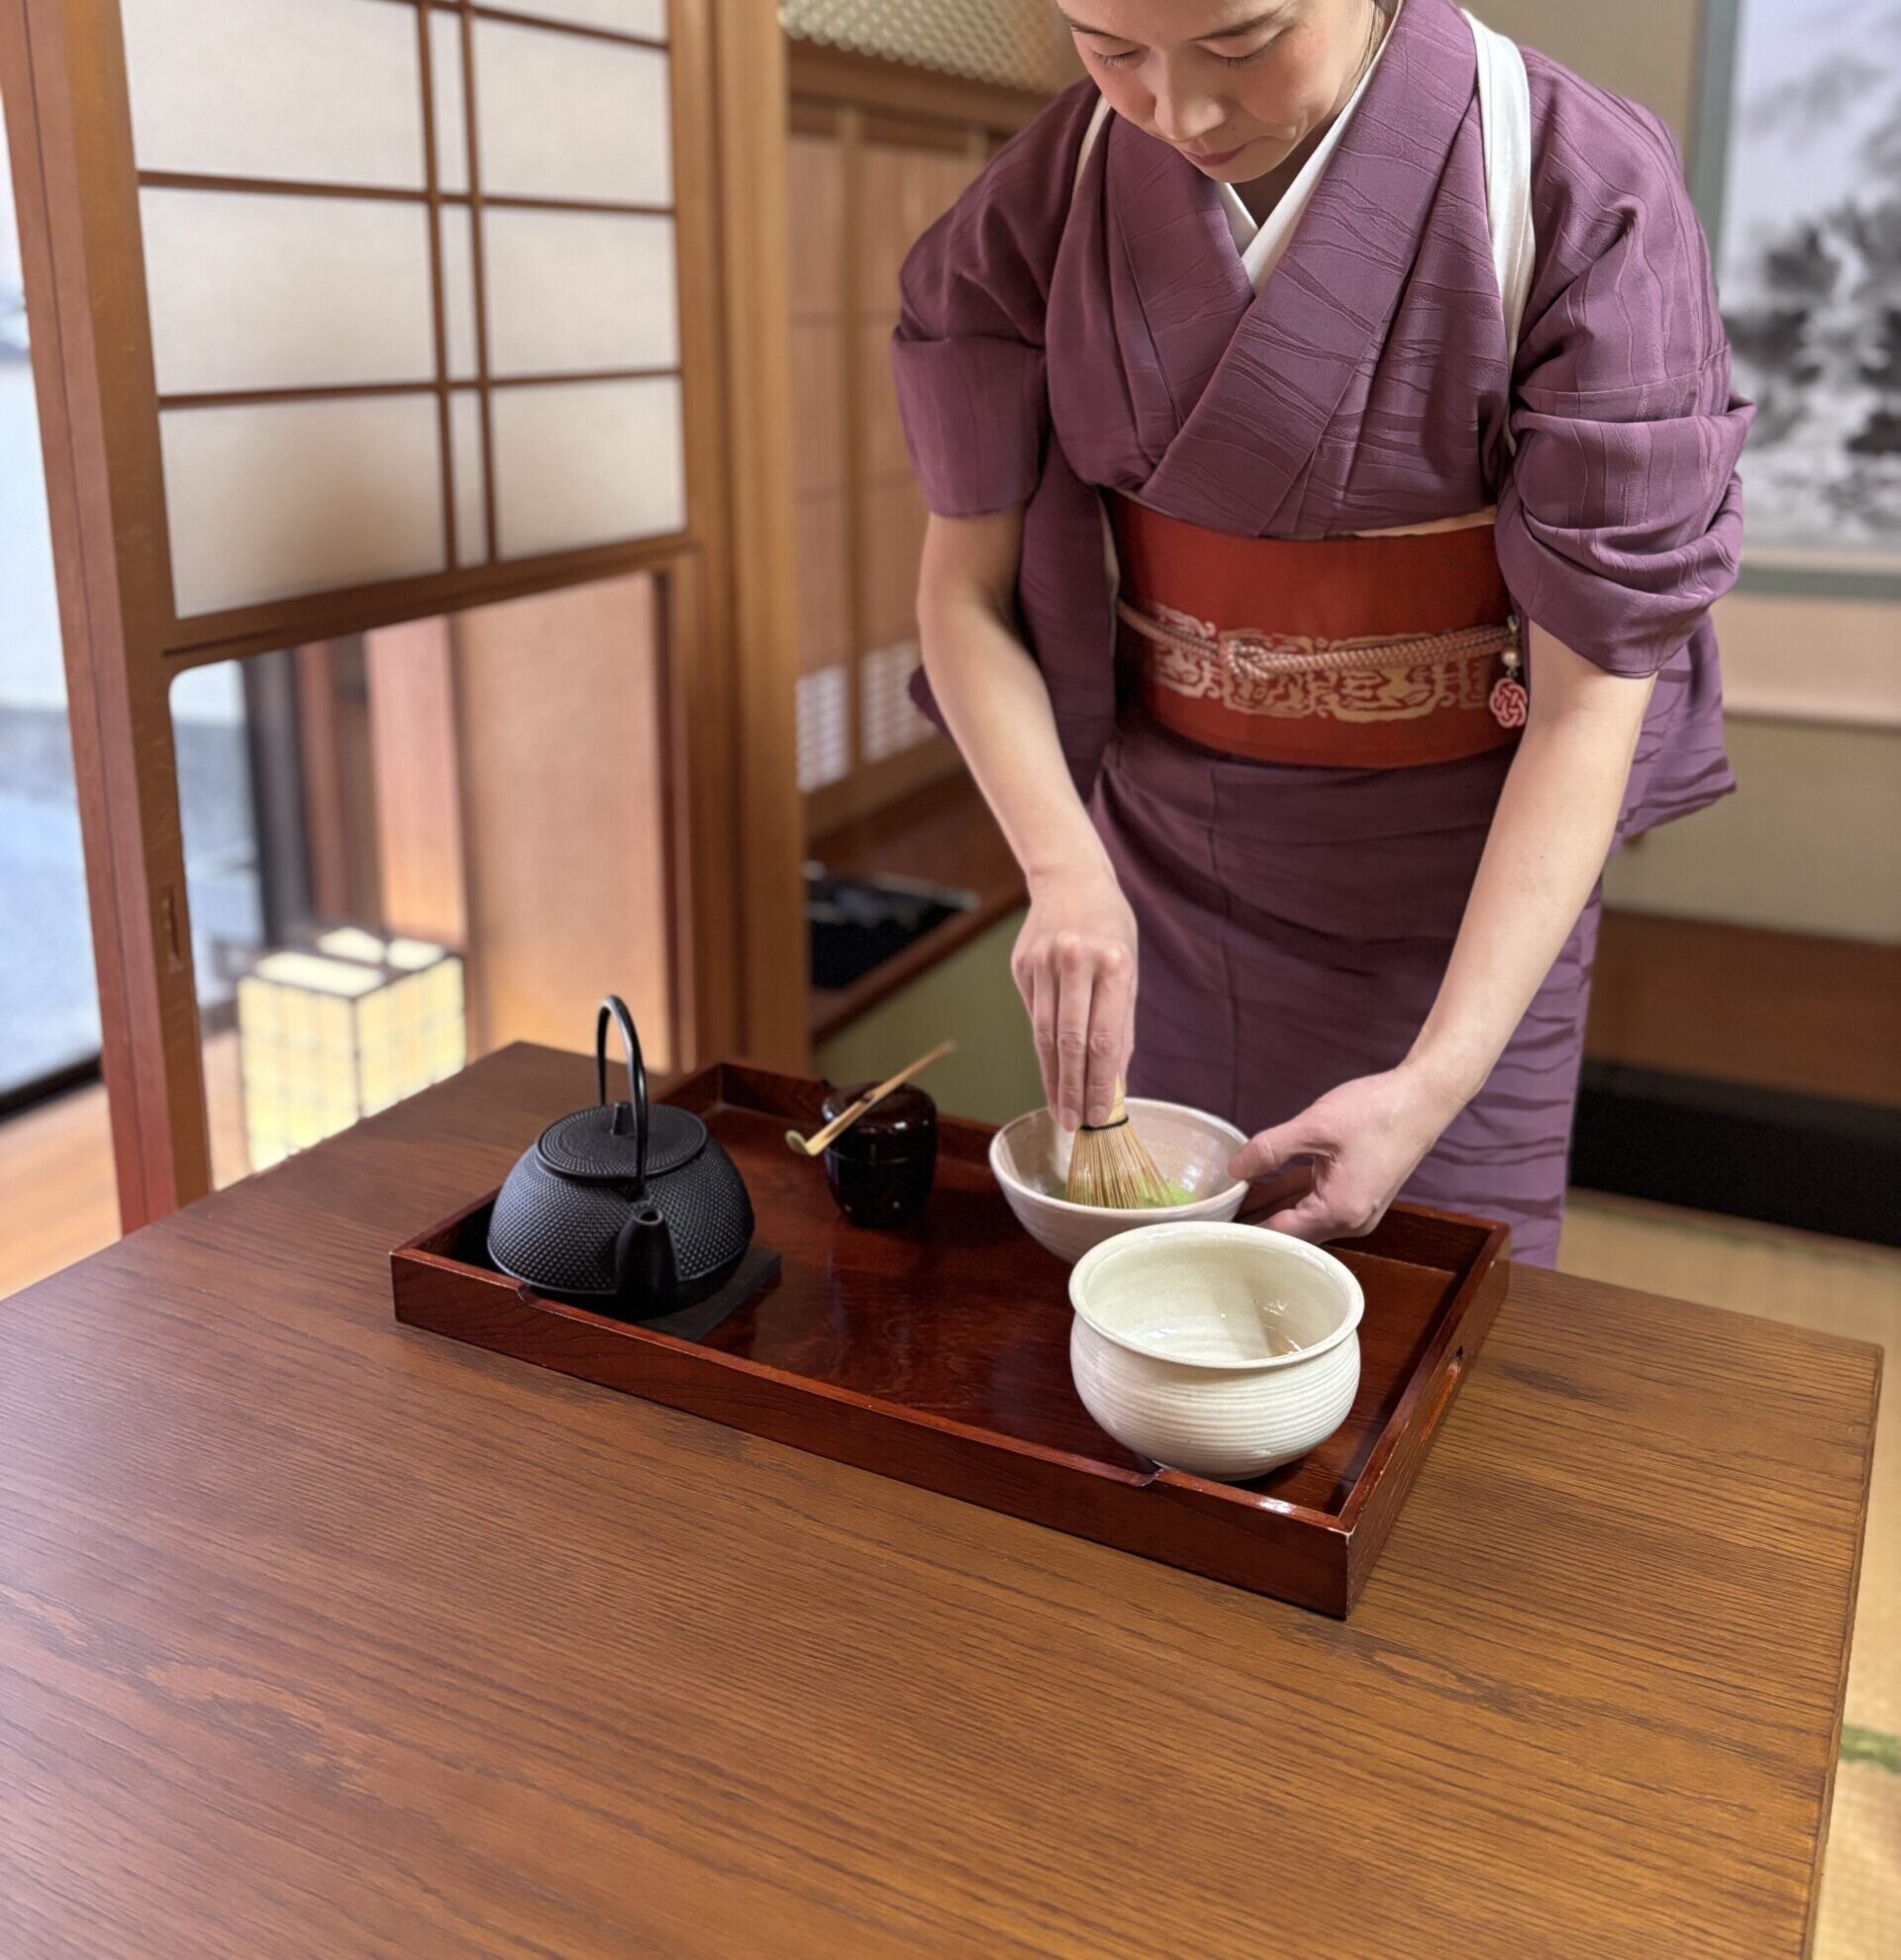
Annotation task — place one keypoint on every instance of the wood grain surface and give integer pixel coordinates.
(322, 1636)
(1819, 1016)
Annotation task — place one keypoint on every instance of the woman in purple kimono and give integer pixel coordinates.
(1380, 370)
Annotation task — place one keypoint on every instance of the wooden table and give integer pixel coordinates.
(319, 1636)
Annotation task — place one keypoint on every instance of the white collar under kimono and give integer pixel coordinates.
(1261, 245)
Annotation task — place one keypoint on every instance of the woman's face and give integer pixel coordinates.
(1235, 85)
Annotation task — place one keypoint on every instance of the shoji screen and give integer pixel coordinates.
(858, 200)
(896, 107)
(412, 278)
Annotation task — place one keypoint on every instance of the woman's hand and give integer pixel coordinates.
(1365, 1140)
(1074, 965)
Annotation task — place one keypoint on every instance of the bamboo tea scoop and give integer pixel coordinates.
(815, 1144)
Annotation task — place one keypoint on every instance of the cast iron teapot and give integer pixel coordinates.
(629, 1209)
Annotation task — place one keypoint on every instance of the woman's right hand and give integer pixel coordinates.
(1074, 965)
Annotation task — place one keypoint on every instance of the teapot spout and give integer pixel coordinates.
(645, 1273)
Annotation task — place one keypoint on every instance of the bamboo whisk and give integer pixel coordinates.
(1109, 1165)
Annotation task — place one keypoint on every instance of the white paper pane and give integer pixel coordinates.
(587, 463)
(459, 291)
(570, 291)
(889, 719)
(251, 291)
(466, 456)
(642, 16)
(560, 115)
(325, 90)
(268, 500)
(825, 729)
(450, 97)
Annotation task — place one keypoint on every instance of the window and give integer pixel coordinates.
(409, 846)
(48, 1004)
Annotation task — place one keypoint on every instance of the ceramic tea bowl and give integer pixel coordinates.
(1222, 1350)
(1029, 1159)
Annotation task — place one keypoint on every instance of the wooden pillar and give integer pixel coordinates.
(761, 559)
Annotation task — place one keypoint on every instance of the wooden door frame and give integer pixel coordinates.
(728, 645)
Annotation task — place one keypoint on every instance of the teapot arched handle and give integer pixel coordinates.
(615, 1007)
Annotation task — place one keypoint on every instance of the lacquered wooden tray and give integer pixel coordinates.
(940, 1356)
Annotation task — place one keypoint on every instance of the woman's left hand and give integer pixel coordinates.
(1365, 1140)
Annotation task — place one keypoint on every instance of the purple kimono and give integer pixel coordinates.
(1295, 922)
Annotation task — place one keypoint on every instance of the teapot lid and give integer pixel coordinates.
(602, 1143)
(624, 1142)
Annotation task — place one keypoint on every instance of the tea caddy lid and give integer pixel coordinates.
(898, 1125)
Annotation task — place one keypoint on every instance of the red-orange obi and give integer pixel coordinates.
(1345, 653)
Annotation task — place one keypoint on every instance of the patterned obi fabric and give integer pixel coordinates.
(1373, 653)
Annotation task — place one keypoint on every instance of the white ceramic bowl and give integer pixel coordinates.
(1224, 1349)
(1029, 1159)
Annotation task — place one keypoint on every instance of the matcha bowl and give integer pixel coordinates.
(1029, 1159)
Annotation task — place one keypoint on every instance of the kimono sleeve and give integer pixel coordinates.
(967, 356)
(1622, 519)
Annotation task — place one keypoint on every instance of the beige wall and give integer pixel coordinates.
(1813, 843)
(1807, 844)
(1642, 49)
(563, 794)
(1804, 660)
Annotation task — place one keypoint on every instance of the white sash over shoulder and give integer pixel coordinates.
(1505, 115)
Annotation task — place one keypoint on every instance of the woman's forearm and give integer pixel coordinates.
(1075, 959)
(1552, 830)
(995, 702)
